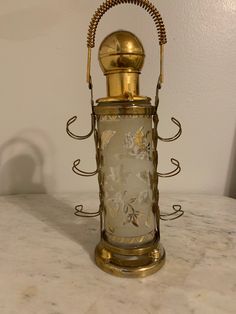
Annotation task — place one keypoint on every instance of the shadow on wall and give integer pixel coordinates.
(230, 189)
(16, 176)
(22, 166)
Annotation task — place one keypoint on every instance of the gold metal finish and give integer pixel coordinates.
(155, 179)
(137, 262)
(122, 99)
(161, 78)
(121, 51)
(121, 57)
(79, 137)
(124, 109)
(89, 64)
(177, 209)
(107, 5)
(123, 85)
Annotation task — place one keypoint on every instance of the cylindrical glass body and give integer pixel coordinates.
(127, 170)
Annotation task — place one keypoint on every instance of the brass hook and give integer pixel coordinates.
(81, 172)
(177, 135)
(78, 137)
(177, 213)
(173, 173)
(79, 211)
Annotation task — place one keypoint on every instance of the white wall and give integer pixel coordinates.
(42, 84)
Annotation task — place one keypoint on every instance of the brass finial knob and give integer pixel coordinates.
(121, 57)
(121, 51)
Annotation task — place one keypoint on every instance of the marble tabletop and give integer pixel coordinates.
(47, 265)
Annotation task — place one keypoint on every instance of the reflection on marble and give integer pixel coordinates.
(47, 267)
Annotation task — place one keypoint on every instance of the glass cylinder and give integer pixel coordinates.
(127, 169)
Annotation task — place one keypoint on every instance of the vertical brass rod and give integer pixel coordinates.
(161, 64)
(89, 64)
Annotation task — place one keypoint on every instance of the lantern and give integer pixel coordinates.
(124, 125)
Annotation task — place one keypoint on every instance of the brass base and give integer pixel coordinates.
(132, 262)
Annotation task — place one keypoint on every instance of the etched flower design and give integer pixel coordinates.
(120, 203)
(138, 145)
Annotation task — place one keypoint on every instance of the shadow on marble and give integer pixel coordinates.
(230, 188)
(59, 215)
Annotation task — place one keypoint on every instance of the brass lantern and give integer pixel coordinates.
(124, 125)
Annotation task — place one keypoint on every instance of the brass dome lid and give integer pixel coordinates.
(121, 51)
(121, 56)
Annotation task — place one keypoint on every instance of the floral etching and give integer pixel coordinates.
(127, 170)
(132, 214)
(139, 144)
(120, 203)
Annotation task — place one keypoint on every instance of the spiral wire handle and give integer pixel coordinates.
(107, 5)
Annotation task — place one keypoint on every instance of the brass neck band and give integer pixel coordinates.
(123, 84)
(124, 109)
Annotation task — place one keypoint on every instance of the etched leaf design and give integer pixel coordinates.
(138, 137)
(126, 209)
(132, 200)
(135, 222)
(106, 137)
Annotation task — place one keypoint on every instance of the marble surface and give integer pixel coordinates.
(47, 267)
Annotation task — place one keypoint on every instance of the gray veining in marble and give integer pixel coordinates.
(47, 267)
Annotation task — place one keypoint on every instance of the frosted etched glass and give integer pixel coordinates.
(126, 146)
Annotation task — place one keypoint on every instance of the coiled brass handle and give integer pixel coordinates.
(107, 5)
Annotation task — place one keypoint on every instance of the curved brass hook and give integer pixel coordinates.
(81, 172)
(79, 211)
(173, 173)
(177, 135)
(177, 213)
(77, 137)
